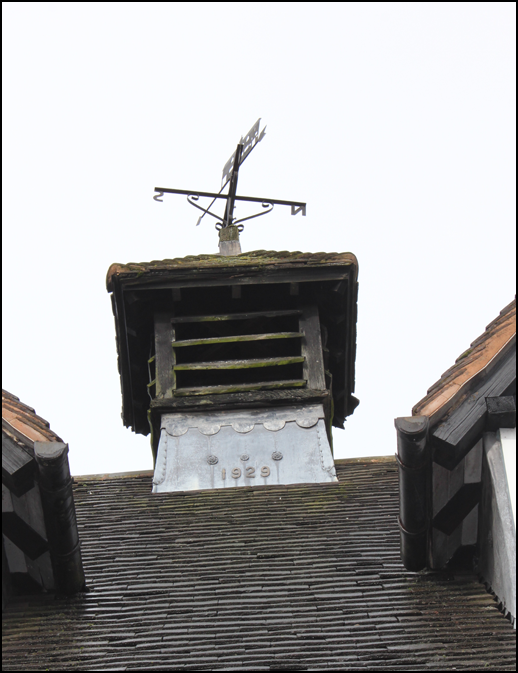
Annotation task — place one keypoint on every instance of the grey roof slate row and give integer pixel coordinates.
(299, 577)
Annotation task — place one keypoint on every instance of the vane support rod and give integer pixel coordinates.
(229, 210)
(255, 199)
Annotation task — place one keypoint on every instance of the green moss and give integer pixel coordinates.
(328, 497)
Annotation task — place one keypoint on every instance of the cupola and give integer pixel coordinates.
(238, 365)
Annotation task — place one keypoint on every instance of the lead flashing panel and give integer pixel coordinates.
(243, 448)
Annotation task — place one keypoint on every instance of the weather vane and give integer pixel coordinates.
(230, 174)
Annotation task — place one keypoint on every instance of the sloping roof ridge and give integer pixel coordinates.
(245, 258)
(483, 353)
(507, 309)
(21, 423)
(7, 396)
(475, 348)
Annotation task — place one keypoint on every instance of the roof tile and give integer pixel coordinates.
(302, 576)
(456, 382)
(22, 424)
(252, 258)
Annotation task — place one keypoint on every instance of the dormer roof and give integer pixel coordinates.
(456, 456)
(22, 424)
(477, 361)
(40, 536)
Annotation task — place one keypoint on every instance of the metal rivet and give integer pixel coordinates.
(245, 457)
(212, 460)
(277, 455)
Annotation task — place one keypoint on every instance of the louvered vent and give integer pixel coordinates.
(237, 352)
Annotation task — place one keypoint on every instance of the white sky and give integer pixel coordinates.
(394, 121)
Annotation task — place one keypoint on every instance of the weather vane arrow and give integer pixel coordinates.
(230, 175)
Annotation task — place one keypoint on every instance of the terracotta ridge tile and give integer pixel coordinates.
(482, 354)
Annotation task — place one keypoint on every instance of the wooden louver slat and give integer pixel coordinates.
(237, 338)
(240, 364)
(235, 316)
(240, 387)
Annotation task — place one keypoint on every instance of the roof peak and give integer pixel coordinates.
(483, 352)
(250, 258)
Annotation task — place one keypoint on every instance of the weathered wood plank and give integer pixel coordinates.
(454, 437)
(312, 348)
(457, 508)
(240, 400)
(17, 467)
(164, 355)
(240, 364)
(501, 412)
(235, 316)
(241, 337)
(239, 387)
(266, 274)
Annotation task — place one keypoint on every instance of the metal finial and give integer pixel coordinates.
(229, 242)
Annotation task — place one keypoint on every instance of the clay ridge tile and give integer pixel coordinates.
(22, 424)
(454, 382)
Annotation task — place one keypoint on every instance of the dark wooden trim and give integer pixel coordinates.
(501, 412)
(238, 275)
(413, 457)
(248, 399)
(457, 435)
(119, 310)
(350, 402)
(313, 370)
(457, 508)
(23, 535)
(17, 467)
(164, 355)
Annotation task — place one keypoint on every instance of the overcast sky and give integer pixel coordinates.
(394, 121)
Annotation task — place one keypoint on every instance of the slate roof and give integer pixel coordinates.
(300, 577)
(458, 381)
(253, 258)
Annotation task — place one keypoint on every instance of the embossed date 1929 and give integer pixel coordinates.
(236, 472)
